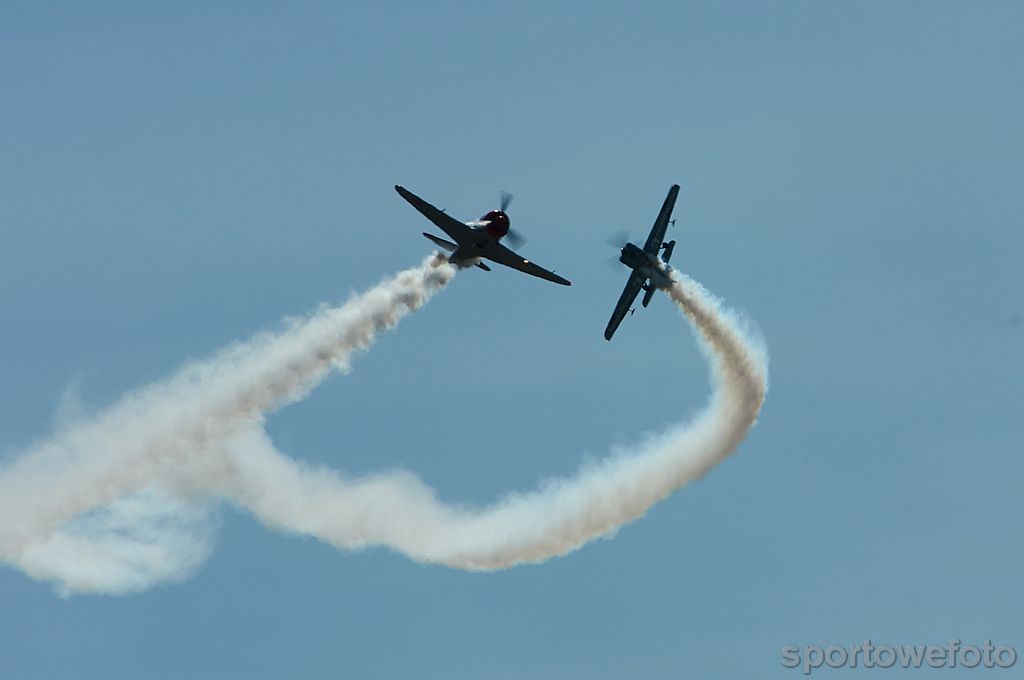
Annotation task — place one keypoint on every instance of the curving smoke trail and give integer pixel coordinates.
(399, 511)
(118, 503)
(144, 473)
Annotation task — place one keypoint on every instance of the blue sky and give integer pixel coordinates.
(176, 178)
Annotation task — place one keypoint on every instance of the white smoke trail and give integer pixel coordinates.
(398, 511)
(134, 471)
(199, 437)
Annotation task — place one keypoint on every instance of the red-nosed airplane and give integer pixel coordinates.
(480, 239)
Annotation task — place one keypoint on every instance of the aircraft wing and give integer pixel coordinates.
(451, 226)
(653, 244)
(503, 255)
(633, 285)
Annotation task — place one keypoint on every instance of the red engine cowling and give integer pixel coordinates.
(497, 223)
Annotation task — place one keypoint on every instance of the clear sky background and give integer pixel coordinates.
(177, 177)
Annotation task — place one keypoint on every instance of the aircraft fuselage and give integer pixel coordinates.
(647, 264)
(488, 230)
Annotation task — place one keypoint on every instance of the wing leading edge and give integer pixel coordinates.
(451, 226)
(633, 285)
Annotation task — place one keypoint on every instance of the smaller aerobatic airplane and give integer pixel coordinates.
(650, 271)
(480, 239)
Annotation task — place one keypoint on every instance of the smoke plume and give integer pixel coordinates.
(122, 502)
(119, 502)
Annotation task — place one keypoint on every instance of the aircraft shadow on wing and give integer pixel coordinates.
(474, 241)
(649, 265)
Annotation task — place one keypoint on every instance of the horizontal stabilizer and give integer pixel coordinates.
(447, 245)
(648, 295)
(669, 247)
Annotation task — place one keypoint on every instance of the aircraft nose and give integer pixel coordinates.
(500, 222)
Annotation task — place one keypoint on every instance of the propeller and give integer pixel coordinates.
(618, 239)
(513, 237)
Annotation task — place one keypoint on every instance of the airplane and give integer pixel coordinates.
(480, 239)
(650, 271)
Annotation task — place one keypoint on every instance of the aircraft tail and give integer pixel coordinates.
(648, 295)
(669, 247)
(447, 245)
